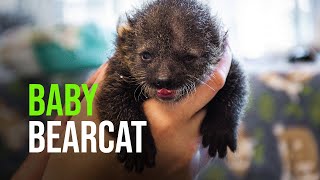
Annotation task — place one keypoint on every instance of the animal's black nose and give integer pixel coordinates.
(163, 83)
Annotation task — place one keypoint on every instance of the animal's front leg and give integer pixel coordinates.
(224, 111)
(118, 102)
(137, 160)
(219, 130)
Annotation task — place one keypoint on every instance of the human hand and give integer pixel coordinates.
(175, 129)
(35, 164)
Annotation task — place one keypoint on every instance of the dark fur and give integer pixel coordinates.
(185, 43)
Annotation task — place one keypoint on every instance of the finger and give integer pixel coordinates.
(100, 78)
(95, 75)
(93, 78)
(213, 147)
(129, 163)
(232, 143)
(205, 140)
(139, 166)
(149, 156)
(205, 92)
(222, 149)
(89, 82)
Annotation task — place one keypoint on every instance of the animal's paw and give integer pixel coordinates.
(219, 141)
(137, 161)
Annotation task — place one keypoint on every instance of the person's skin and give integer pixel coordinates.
(175, 129)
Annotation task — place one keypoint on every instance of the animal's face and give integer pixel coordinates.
(172, 47)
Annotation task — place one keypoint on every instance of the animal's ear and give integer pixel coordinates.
(123, 29)
(124, 26)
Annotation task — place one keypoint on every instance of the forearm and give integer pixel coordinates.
(33, 167)
(101, 166)
(35, 164)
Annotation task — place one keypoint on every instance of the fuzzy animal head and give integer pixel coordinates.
(171, 46)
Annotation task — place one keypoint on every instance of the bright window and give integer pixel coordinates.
(257, 27)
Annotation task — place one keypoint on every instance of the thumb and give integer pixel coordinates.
(207, 90)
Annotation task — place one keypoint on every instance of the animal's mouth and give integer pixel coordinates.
(166, 94)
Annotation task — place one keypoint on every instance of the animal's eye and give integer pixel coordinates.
(189, 58)
(146, 56)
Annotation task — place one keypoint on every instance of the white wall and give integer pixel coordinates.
(44, 12)
(317, 25)
(8, 5)
(251, 33)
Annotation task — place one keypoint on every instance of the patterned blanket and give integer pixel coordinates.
(280, 134)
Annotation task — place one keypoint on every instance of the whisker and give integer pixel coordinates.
(134, 94)
(203, 83)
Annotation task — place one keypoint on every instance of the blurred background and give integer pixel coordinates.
(278, 41)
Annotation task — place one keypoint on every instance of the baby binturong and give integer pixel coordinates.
(165, 50)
